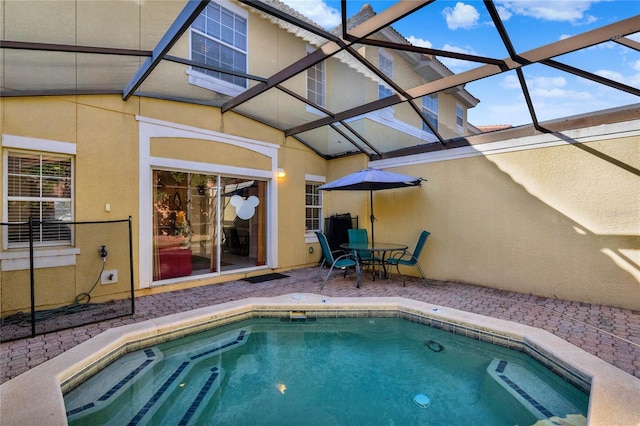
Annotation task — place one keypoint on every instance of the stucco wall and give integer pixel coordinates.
(297, 161)
(104, 130)
(557, 220)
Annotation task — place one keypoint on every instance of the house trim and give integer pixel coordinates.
(546, 140)
(151, 128)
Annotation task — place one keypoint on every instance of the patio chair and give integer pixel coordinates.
(409, 259)
(343, 261)
(360, 236)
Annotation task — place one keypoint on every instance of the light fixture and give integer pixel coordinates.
(280, 173)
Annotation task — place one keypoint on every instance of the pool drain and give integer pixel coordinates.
(434, 346)
(422, 400)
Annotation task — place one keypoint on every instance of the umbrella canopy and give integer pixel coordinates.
(371, 180)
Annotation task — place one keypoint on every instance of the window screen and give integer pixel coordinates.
(39, 186)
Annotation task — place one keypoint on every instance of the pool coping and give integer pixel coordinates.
(613, 392)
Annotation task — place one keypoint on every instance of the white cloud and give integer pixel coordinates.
(553, 96)
(542, 87)
(318, 11)
(555, 88)
(457, 65)
(573, 11)
(504, 13)
(611, 75)
(547, 82)
(513, 111)
(630, 80)
(419, 42)
(560, 95)
(548, 104)
(461, 16)
(510, 82)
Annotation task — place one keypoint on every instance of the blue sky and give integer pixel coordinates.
(465, 26)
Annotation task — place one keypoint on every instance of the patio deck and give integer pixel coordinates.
(612, 334)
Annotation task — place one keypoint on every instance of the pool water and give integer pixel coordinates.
(331, 371)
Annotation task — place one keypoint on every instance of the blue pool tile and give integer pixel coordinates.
(126, 380)
(239, 339)
(201, 395)
(149, 405)
(501, 366)
(535, 404)
(80, 409)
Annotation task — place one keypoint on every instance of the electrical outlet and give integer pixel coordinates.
(109, 276)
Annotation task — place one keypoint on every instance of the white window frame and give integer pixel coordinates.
(459, 118)
(150, 129)
(313, 96)
(430, 109)
(310, 235)
(15, 259)
(317, 207)
(209, 82)
(385, 64)
(398, 125)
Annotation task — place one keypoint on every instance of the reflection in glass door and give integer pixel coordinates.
(243, 209)
(202, 219)
(206, 224)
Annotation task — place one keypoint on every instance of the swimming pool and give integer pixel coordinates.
(612, 392)
(324, 371)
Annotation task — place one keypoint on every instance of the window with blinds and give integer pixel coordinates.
(39, 186)
(313, 205)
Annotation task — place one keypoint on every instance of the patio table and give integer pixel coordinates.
(377, 250)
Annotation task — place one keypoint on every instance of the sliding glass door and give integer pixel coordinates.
(207, 223)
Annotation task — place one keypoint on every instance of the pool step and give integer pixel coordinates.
(138, 372)
(538, 397)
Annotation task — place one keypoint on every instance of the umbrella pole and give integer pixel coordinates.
(372, 217)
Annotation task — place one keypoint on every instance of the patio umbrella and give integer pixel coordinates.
(371, 180)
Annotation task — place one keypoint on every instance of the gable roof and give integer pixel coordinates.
(425, 65)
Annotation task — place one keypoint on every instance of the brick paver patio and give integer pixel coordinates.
(613, 334)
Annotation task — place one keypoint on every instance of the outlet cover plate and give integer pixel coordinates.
(109, 276)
